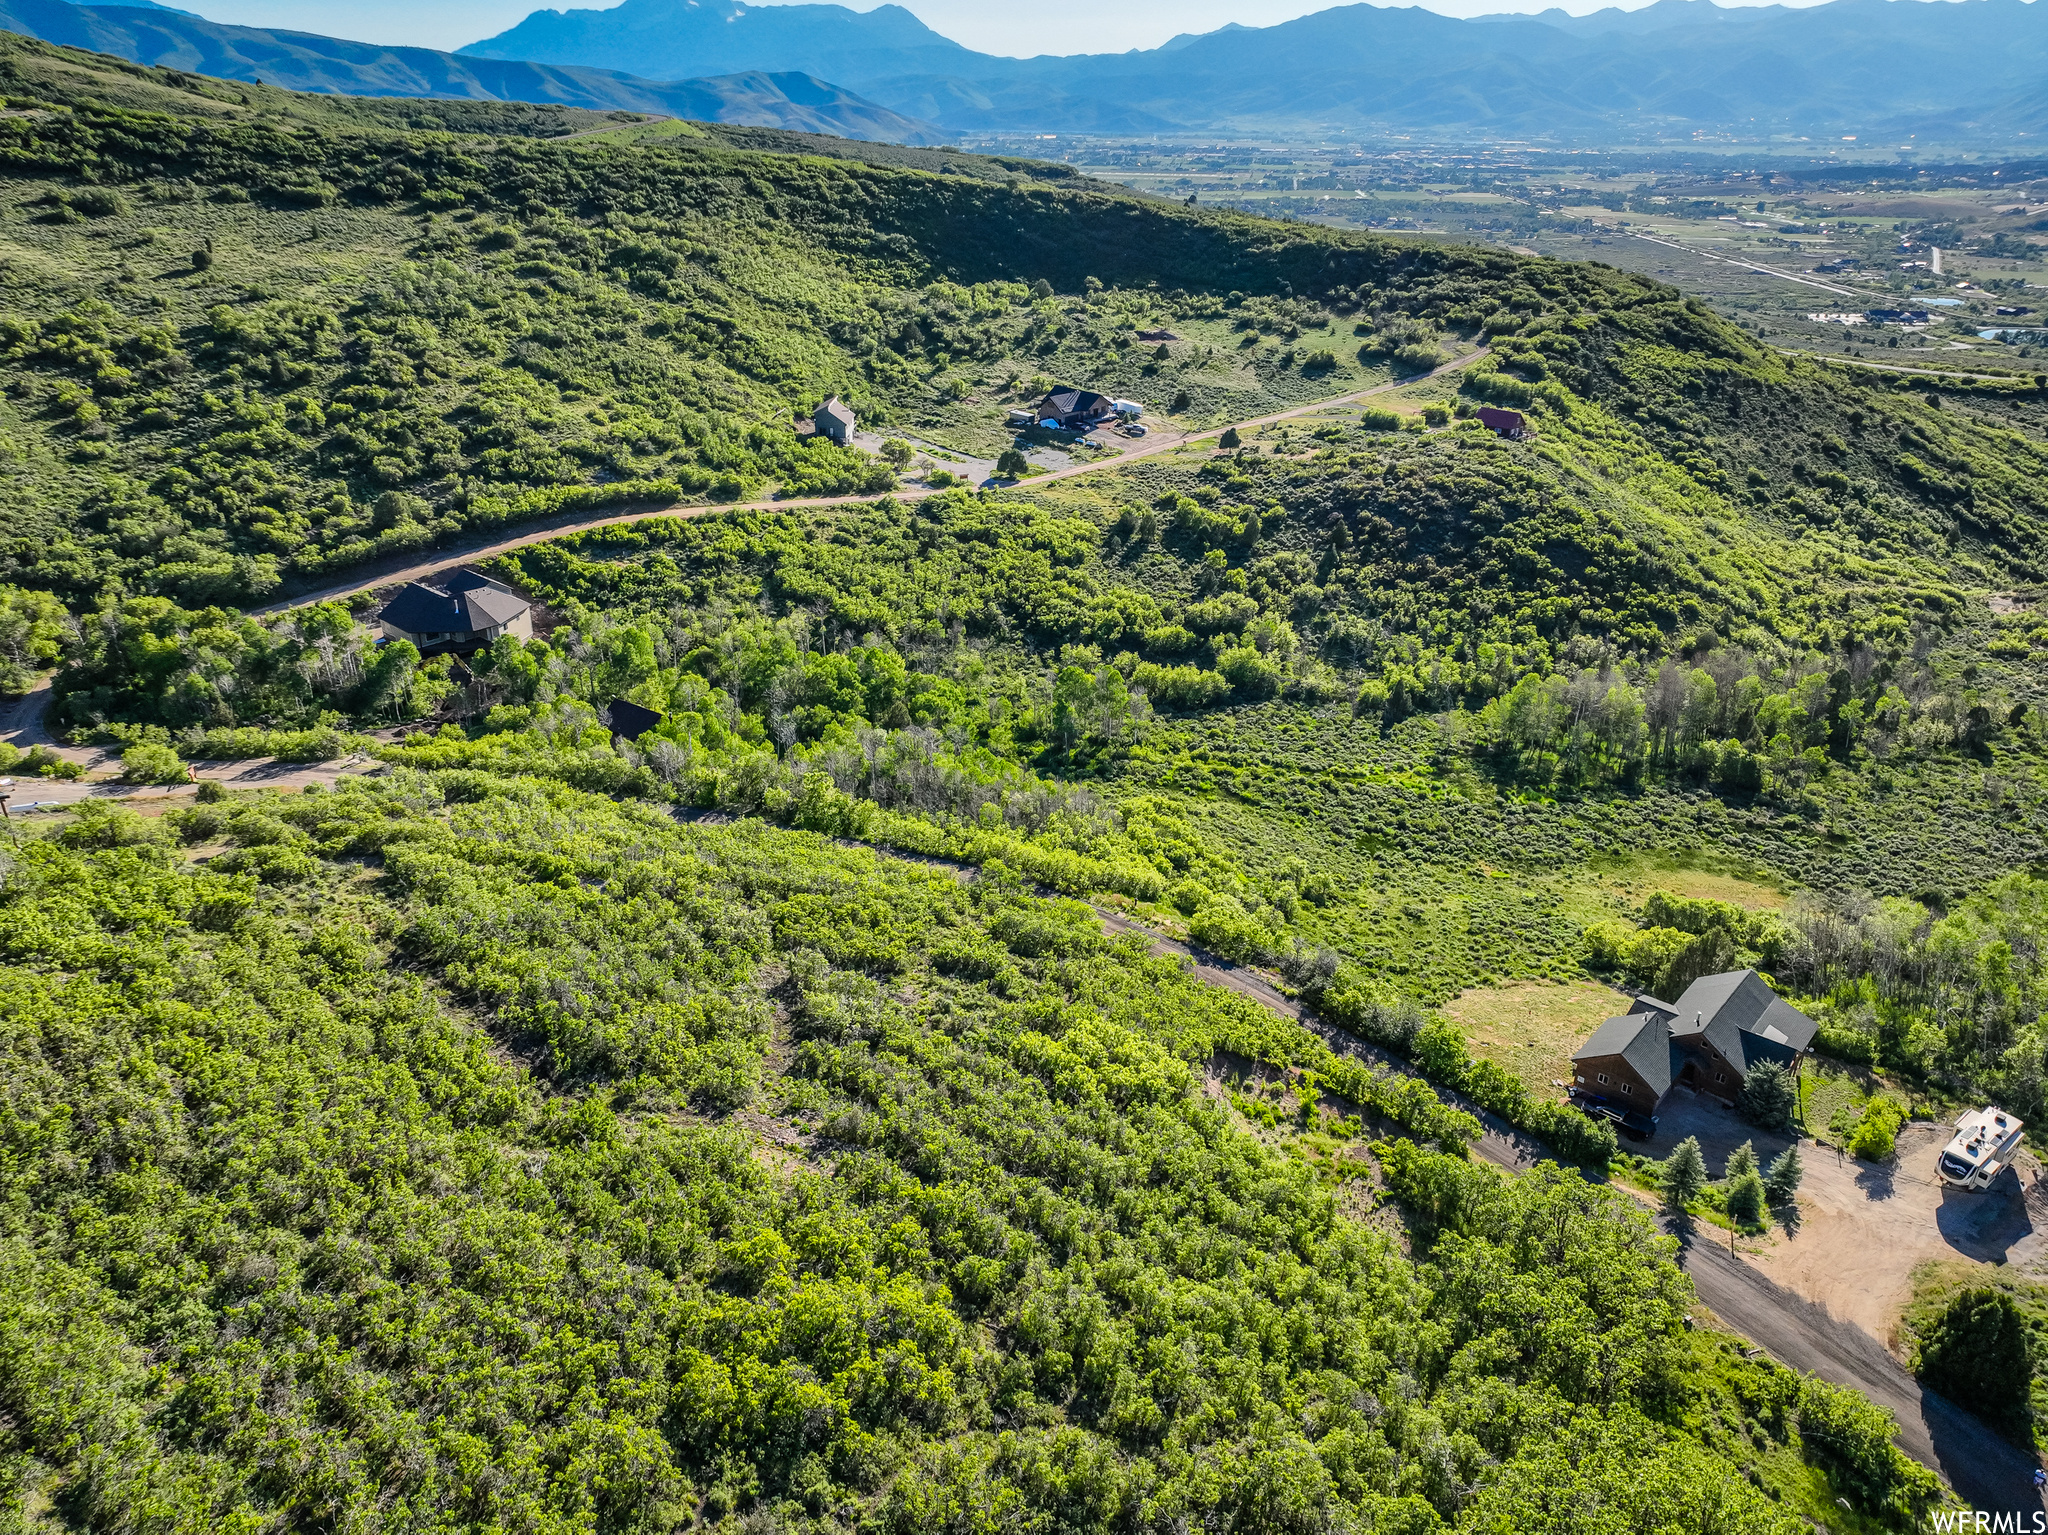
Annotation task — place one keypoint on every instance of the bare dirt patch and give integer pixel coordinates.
(1532, 1027)
(1861, 1229)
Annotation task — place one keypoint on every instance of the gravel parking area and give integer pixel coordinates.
(1861, 1228)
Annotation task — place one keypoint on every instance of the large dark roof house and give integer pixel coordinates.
(1709, 1040)
(1075, 410)
(1727, 1023)
(464, 612)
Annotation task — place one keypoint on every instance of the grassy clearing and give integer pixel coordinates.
(1532, 1027)
(1696, 876)
(640, 133)
(1832, 1096)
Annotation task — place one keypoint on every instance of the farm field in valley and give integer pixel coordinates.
(1855, 225)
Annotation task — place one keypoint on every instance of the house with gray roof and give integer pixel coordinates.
(834, 420)
(1709, 1040)
(464, 612)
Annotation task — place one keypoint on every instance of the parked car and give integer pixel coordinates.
(1131, 429)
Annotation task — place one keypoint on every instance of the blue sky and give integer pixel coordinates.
(1006, 28)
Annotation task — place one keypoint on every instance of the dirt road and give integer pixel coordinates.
(1985, 1471)
(22, 725)
(378, 574)
(256, 773)
(1747, 266)
(1893, 367)
(1499, 1142)
(21, 720)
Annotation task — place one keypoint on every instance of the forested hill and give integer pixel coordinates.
(260, 337)
(751, 1126)
(274, 335)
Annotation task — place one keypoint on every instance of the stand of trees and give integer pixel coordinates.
(504, 1263)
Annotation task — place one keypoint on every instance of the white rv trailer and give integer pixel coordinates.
(1984, 1144)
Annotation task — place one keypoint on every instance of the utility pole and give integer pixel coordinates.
(6, 794)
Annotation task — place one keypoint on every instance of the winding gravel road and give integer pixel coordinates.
(402, 568)
(1984, 1469)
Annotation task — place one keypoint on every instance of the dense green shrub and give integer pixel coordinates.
(1978, 1350)
(1876, 1129)
(1855, 1437)
(149, 762)
(1024, 1169)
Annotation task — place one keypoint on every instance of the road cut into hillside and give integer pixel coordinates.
(380, 575)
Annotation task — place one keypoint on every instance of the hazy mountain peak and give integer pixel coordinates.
(694, 37)
(1659, 16)
(1181, 39)
(789, 99)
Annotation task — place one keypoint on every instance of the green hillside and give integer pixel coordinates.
(271, 341)
(789, 1186)
(751, 1125)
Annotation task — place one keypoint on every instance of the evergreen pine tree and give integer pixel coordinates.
(1782, 1181)
(1746, 1199)
(1741, 1160)
(1685, 1175)
(1769, 1096)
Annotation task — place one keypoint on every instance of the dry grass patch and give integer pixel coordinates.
(1532, 1027)
(1634, 881)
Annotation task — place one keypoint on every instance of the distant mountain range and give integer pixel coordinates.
(1947, 69)
(305, 61)
(1674, 67)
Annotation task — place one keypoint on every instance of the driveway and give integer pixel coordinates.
(1862, 1228)
(1986, 1471)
